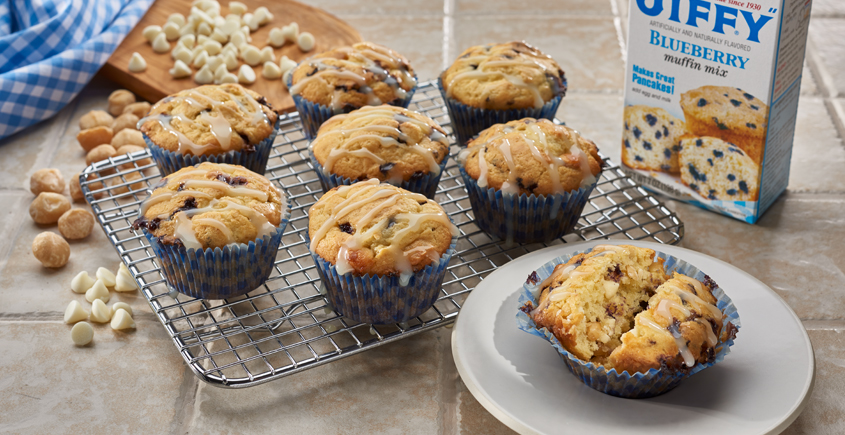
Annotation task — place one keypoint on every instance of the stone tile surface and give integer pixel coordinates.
(373, 9)
(830, 52)
(543, 7)
(818, 154)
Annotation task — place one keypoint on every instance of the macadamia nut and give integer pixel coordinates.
(48, 207)
(47, 180)
(101, 152)
(128, 137)
(118, 188)
(76, 224)
(51, 249)
(138, 109)
(127, 149)
(95, 118)
(93, 137)
(119, 99)
(125, 121)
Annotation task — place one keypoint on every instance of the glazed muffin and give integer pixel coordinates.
(380, 250)
(220, 211)
(348, 78)
(213, 123)
(718, 170)
(497, 83)
(622, 325)
(388, 143)
(528, 180)
(651, 139)
(730, 114)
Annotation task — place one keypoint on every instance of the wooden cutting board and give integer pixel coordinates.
(155, 83)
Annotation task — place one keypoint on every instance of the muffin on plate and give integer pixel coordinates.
(214, 123)
(529, 180)
(388, 143)
(718, 170)
(622, 324)
(348, 78)
(216, 229)
(381, 251)
(730, 114)
(496, 83)
(651, 139)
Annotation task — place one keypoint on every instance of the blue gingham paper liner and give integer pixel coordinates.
(382, 299)
(50, 49)
(220, 273)
(313, 115)
(525, 218)
(426, 185)
(639, 385)
(169, 162)
(468, 121)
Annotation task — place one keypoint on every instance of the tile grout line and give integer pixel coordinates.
(188, 408)
(448, 393)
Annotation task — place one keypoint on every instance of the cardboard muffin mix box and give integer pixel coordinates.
(711, 97)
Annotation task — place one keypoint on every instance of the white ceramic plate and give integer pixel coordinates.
(760, 387)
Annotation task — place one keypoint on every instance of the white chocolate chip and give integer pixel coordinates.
(124, 281)
(181, 53)
(245, 30)
(204, 76)
(180, 70)
(122, 306)
(100, 312)
(212, 47)
(122, 320)
(160, 44)
(219, 21)
(188, 41)
(285, 64)
(230, 26)
(217, 35)
(238, 39)
(187, 29)
(228, 78)
(249, 20)
(237, 8)
(97, 291)
(271, 71)
(81, 282)
(201, 40)
(276, 38)
(291, 32)
(150, 33)
(246, 75)
(305, 41)
(267, 55)
(177, 18)
(74, 312)
(263, 15)
(286, 77)
(230, 60)
(220, 72)
(214, 62)
(251, 55)
(204, 28)
(106, 276)
(200, 59)
(137, 63)
(171, 31)
(82, 333)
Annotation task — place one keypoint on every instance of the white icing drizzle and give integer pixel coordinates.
(368, 192)
(227, 189)
(218, 124)
(370, 57)
(370, 114)
(184, 223)
(686, 354)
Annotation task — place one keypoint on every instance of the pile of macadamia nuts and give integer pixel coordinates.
(103, 134)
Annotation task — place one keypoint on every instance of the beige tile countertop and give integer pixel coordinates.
(136, 382)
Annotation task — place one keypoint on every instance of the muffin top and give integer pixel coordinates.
(208, 120)
(532, 157)
(378, 229)
(728, 109)
(512, 75)
(388, 143)
(210, 206)
(346, 78)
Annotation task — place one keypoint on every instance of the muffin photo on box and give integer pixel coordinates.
(380, 250)
(214, 123)
(718, 170)
(651, 139)
(727, 113)
(529, 180)
(392, 144)
(496, 83)
(215, 229)
(348, 78)
(629, 321)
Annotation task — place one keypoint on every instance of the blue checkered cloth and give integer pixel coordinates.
(50, 49)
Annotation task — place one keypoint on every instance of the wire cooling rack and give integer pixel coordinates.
(286, 325)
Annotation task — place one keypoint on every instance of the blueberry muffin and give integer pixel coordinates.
(730, 114)
(380, 250)
(219, 123)
(348, 78)
(552, 166)
(718, 170)
(215, 227)
(388, 143)
(496, 83)
(651, 138)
